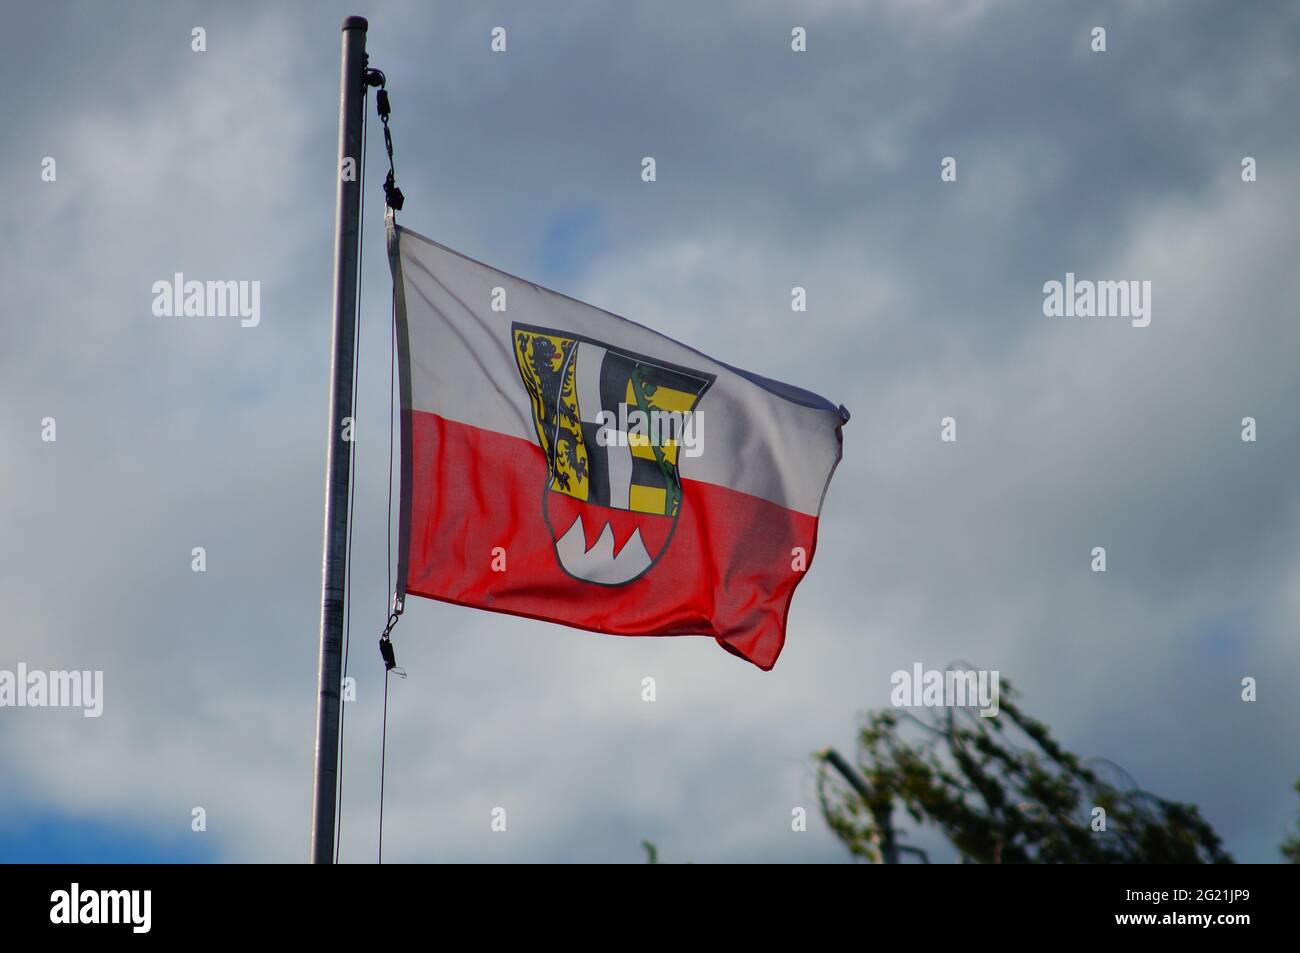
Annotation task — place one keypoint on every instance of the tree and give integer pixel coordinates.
(1291, 846)
(1003, 791)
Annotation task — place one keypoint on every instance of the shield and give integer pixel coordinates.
(613, 427)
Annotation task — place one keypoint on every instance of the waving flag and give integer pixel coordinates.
(563, 463)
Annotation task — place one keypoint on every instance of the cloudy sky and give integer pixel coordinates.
(775, 169)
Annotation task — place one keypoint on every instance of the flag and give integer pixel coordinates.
(562, 463)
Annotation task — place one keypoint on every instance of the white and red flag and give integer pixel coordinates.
(562, 463)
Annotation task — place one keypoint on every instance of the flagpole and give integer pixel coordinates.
(338, 459)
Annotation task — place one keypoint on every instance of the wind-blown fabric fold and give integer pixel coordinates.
(562, 463)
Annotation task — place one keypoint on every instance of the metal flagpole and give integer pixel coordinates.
(338, 461)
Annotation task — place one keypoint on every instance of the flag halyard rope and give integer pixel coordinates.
(352, 492)
(394, 199)
(392, 194)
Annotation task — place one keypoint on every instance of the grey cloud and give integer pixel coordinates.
(775, 170)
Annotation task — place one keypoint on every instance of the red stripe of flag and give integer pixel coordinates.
(728, 570)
